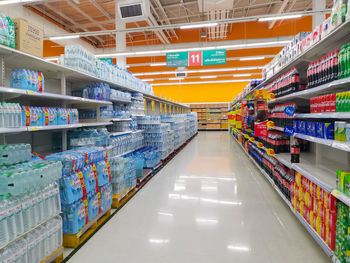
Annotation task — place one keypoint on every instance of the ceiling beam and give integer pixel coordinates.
(164, 14)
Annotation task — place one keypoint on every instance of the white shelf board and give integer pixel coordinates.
(334, 86)
(344, 146)
(138, 115)
(119, 119)
(11, 93)
(53, 127)
(137, 131)
(119, 133)
(17, 59)
(337, 37)
(324, 115)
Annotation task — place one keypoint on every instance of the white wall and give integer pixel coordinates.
(18, 11)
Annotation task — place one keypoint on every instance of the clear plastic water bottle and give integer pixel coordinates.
(4, 235)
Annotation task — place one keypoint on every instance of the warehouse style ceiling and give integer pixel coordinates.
(78, 16)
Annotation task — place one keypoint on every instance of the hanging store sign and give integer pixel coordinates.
(197, 58)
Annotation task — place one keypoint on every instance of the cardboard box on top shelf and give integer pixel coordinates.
(29, 38)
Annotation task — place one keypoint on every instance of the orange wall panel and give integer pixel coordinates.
(221, 92)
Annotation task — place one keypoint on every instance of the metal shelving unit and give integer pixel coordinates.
(312, 232)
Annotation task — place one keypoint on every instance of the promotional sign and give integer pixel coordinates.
(261, 113)
(261, 129)
(108, 60)
(196, 58)
(289, 130)
(214, 57)
(178, 59)
(270, 152)
(289, 111)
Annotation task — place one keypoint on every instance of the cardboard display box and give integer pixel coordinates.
(29, 38)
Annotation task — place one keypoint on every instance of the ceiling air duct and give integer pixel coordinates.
(133, 10)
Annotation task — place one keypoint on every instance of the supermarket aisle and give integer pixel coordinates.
(209, 204)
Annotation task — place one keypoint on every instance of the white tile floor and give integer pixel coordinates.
(209, 204)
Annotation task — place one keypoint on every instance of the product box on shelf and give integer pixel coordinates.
(29, 38)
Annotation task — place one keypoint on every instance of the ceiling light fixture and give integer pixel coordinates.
(242, 75)
(148, 79)
(252, 58)
(64, 37)
(154, 52)
(11, 2)
(197, 71)
(158, 64)
(208, 77)
(203, 82)
(198, 26)
(264, 19)
(176, 78)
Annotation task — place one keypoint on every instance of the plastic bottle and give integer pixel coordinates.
(4, 235)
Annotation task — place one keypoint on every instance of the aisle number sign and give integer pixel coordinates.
(197, 58)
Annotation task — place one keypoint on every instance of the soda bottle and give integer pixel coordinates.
(295, 150)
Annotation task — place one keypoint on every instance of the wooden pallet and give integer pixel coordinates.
(119, 200)
(55, 257)
(146, 176)
(74, 240)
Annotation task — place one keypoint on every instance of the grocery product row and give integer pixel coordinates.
(51, 199)
(211, 116)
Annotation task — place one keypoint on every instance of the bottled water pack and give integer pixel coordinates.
(15, 153)
(27, 79)
(7, 31)
(10, 115)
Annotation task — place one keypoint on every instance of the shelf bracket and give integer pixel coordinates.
(2, 69)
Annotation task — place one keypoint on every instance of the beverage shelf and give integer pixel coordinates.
(11, 94)
(324, 115)
(336, 38)
(312, 232)
(53, 127)
(17, 59)
(334, 86)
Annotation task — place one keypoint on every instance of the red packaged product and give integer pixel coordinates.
(323, 231)
(331, 239)
(307, 213)
(333, 105)
(323, 214)
(332, 220)
(331, 203)
(314, 190)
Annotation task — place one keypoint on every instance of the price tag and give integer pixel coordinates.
(83, 124)
(260, 145)
(246, 136)
(270, 124)
(289, 111)
(271, 96)
(270, 152)
(289, 131)
(252, 139)
(152, 105)
(30, 92)
(33, 128)
(336, 193)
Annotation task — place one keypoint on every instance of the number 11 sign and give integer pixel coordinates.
(195, 59)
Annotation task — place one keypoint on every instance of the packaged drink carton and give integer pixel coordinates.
(29, 38)
(74, 217)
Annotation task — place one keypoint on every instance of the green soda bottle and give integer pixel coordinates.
(347, 61)
(341, 63)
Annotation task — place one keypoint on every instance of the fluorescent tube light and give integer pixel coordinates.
(64, 37)
(203, 82)
(242, 75)
(199, 25)
(11, 2)
(127, 66)
(208, 77)
(147, 79)
(158, 64)
(163, 52)
(176, 78)
(197, 71)
(252, 58)
(279, 18)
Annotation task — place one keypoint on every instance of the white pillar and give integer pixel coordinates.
(318, 5)
(120, 38)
